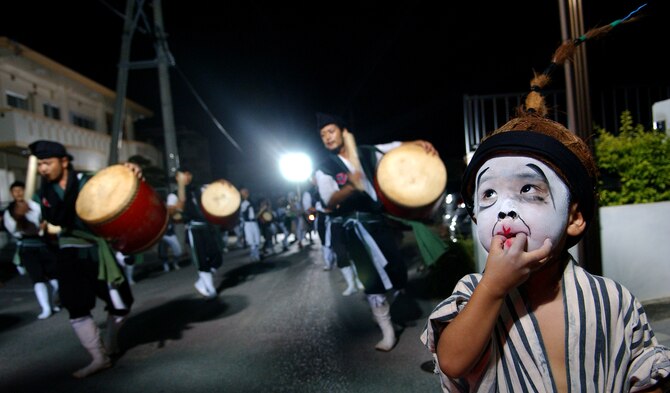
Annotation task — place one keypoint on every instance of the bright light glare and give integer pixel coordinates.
(295, 167)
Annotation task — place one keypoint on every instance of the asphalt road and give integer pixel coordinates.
(280, 325)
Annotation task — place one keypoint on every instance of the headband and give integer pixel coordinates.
(545, 148)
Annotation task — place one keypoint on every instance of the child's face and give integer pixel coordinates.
(519, 194)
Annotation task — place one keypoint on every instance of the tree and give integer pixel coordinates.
(634, 165)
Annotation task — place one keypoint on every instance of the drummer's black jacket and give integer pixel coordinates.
(192, 209)
(59, 209)
(358, 201)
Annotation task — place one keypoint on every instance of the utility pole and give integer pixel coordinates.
(162, 62)
(129, 25)
(579, 117)
(172, 157)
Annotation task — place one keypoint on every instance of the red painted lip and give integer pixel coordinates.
(509, 232)
(507, 235)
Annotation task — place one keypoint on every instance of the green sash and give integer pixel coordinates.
(108, 270)
(16, 259)
(430, 245)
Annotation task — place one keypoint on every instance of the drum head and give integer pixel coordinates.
(410, 177)
(107, 194)
(220, 199)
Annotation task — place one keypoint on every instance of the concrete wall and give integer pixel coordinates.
(635, 241)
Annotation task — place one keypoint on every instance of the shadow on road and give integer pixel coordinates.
(247, 272)
(405, 310)
(11, 321)
(168, 321)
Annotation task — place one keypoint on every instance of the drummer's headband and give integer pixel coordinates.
(543, 147)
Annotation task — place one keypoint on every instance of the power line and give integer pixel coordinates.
(206, 108)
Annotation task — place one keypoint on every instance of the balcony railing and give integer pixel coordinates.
(20, 128)
(485, 113)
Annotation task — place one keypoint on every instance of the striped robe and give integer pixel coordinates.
(610, 346)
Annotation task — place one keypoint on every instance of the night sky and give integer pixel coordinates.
(396, 72)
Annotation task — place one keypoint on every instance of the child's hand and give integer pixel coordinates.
(509, 265)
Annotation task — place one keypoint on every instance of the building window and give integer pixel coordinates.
(17, 101)
(51, 111)
(82, 121)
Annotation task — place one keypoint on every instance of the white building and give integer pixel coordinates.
(661, 116)
(42, 99)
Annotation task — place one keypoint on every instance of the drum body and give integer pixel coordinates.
(410, 182)
(123, 209)
(220, 203)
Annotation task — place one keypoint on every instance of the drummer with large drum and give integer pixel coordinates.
(79, 256)
(359, 231)
(203, 237)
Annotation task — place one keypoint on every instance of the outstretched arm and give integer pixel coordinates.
(182, 180)
(427, 146)
(340, 196)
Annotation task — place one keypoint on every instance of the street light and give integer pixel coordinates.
(295, 167)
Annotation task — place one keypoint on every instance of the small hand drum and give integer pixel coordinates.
(220, 202)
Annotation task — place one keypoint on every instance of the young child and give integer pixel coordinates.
(534, 320)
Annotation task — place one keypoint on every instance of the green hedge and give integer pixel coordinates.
(634, 165)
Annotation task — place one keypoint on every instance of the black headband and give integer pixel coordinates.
(545, 148)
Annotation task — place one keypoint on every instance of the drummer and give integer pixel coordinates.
(249, 219)
(22, 220)
(344, 180)
(78, 256)
(204, 238)
(267, 226)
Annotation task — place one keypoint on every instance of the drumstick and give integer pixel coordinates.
(31, 176)
(181, 186)
(352, 155)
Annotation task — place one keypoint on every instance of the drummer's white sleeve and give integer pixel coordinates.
(10, 224)
(33, 216)
(172, 199)
(386, 147)
(306, 200)
(326, 185)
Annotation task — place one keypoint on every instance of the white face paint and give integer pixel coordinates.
(519, 194)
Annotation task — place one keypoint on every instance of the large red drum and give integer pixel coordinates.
(410, 182)
(123, 209)
(220, 203)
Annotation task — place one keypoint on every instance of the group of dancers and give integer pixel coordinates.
(67, 265)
